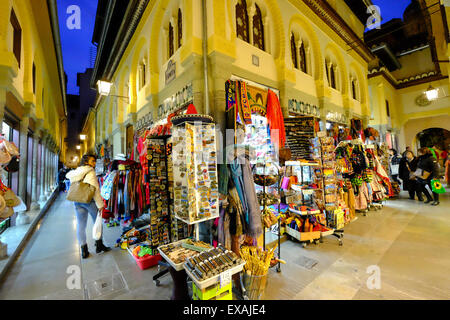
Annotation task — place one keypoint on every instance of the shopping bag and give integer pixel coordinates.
(394, 169)
(436, 186)
(97, 229)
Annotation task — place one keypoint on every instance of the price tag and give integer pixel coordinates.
(225, 278)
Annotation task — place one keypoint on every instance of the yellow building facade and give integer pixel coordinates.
(161, 68)
(32, 94)
(398, 102)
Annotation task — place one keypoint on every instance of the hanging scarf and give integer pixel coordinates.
(246, 111)
(275, 119)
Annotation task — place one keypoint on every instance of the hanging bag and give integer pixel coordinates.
(80, 191)
(98, 227)
(436, 186)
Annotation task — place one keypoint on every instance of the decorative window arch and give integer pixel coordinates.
(332, 72)
(258, 29)
(242, 21)
(302, 55)
(142, 77)
(300, 51)
(294, 51)
(355, 86)
(179, 28)
(170, 41)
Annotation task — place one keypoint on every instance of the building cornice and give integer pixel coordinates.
(54, 22)
(130, 21)
(326, 12)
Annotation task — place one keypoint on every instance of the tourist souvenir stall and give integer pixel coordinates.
(252, 165)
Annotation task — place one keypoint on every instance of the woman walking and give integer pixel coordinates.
(429, 170)
(86, 173)
(408, 165)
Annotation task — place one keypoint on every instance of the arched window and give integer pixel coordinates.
(332, 77)
(142, 79)
(354, 89)
(242, 21)
(294, 51)
(302, 57)
(327, 73)
(258, 29)
(170, 46)
(180, 28)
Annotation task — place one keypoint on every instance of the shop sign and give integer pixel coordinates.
(336, 117)
(170, 72)
(302, 108)
(175, 102)
(145, 121)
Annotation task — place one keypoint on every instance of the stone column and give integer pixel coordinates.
(47, 168)
(22, 217)
(42, 197)
(35, 179)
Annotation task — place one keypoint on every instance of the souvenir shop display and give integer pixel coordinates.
(305, 221)
(177, 252)
(123, 191)
(211, 272)
(299, 132)
(159, 191)
(257, 263)
(196, 195)
(254, 113)
(362, 175)
(336, 212)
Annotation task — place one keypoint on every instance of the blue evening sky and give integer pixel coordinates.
(76, 43)
(391, 9)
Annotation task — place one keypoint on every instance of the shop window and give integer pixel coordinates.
(170, 46)
(17, 36)
(180, 28)
(258, 29)
(242, 21)
(302, 54)
(294, 51)
(34, 78)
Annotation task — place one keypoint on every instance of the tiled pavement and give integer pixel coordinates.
(406, 240)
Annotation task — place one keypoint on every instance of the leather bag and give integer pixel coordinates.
(81, 191)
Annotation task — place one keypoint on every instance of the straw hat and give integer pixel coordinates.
(5, 157)
(11, 199)
(11, 148)
(2, 203)
(7, 212)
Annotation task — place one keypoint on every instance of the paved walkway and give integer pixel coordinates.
(406, 240)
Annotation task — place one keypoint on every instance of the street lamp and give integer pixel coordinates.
(78, 147)
(82, 137)
(431, 93)
(104, 89)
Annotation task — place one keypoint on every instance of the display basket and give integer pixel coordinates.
(255, 286)
(147, 262)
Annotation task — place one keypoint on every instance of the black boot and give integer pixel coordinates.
(84, 251)
(99, 247)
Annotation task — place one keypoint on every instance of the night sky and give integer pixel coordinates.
(76, 43)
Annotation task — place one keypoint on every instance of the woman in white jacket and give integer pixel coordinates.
(86, 172)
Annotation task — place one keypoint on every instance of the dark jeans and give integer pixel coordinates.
(422, 189)
(412, 188)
